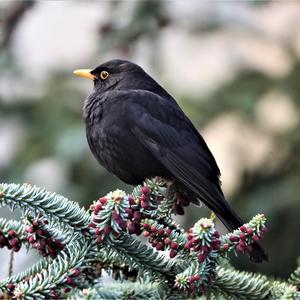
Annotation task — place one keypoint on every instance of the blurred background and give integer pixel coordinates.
(234, 67)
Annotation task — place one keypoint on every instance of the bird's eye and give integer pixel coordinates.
(104, 75)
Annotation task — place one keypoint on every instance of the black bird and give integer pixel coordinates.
(136, 130)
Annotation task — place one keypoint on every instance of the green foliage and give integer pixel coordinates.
(106, 238)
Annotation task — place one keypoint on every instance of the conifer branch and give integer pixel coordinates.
(75, 245)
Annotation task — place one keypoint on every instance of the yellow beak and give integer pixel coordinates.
(85, 73)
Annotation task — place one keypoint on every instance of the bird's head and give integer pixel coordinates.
(115, 74)
(121, 75)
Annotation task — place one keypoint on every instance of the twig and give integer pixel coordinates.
(10, 264)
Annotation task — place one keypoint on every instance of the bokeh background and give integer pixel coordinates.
(234, 67)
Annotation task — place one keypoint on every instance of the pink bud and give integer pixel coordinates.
(187, 246)
(153, 228)
(103, 200)
(172, 253)
(201, 257)
(30, 229)
(144, 204)
(249, 230)
(256, 238)
(159, 246)
(243, 228)
(167, 241)
(226, 247)
(216, 234)
(242, 236)
(160, 231)
(174, 245)
(145, 190)
(168, 231)
(137, 215)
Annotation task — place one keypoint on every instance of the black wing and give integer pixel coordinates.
(169, 135)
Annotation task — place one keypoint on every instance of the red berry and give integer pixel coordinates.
(160, 231)
(106, 230)
(131, 200)
(146, 226)
(137, 215)
(243, 228)
(129, 213)
(172, 253)
(204, 248)
(233, 238)
(10, 286)
(70, 280)
(16, 248)
(67, 290)
(145, 190)
(144, 204)
(216, 234)
(115, 216)
(146, 233)
(167, 241)
(76, 272)
(168, 231)
(31, 239)
(190, 236)
(122, 224)
(201, 257)
(40, 231)
(249, 230)
(216, 245)
(40, 246)
(153, 228)
(97, 208)
(103, 200)
(30, 229)
(226, 247)
(239, 248)
(154, 243)
(36, 223)
(131, 227)
(187, 246)
(242, 236)
(174, 245)
(99, 239)
(159, 246)
(12, 233)
(144, 198)
(197, 277)
(14, 242)
(51, 250)
(256, 238)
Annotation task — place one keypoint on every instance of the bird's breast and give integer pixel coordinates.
(119, 151)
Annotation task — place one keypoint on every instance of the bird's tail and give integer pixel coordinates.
(233, 221)
(215, 200)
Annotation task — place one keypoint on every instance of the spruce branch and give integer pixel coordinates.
(132, 237)
(35, 201)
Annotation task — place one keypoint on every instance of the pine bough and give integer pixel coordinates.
(135, 240)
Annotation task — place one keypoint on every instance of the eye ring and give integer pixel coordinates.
(104, 75)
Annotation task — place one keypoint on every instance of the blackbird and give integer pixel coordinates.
(136, 130)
